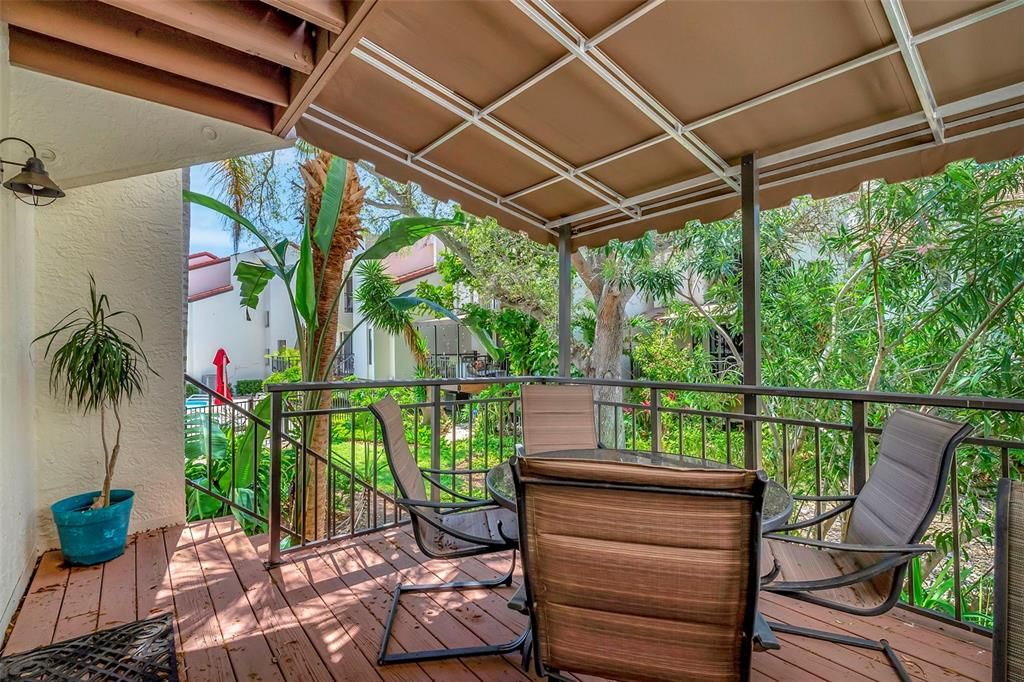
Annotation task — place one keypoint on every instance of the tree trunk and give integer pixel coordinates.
(322, 340)
(606, 362)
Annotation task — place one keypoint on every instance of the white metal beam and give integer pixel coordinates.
(404, 73)
(547, 71)
(900, 26)
(876, 55)
(859, 162)
(559, 28)
(814, 150)
(346, 128)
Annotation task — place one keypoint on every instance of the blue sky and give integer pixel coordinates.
(209, 231)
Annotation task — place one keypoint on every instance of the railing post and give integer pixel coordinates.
(435, 439)
(276, 409)
(564, 300)
(859, 470)
(751, 213)
(655, 420)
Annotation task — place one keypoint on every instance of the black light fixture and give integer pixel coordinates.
(33, 184)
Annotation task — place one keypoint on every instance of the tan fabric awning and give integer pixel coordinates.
(612, 116)
(619, 117)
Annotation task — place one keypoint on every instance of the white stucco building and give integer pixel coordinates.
(378, 355)
(217, 320)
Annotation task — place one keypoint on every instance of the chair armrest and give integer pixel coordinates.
(427, 504)
(883, 565)
(415, 510)
(454, 493)
(911, 550)
(814, 521)
(825, 498)
(426, 470)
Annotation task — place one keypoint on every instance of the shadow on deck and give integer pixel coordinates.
(319, 616)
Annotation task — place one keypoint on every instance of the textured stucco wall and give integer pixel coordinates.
(128, 233)
(17, 466)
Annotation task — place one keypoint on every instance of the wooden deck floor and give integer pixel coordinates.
(319, 616)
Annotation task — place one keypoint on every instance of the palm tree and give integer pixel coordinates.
(329, 271)
(235, 178)
(331, 233)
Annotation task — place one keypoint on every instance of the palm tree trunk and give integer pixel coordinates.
(329, 271)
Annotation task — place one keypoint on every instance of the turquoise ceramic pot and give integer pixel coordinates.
(92, 536)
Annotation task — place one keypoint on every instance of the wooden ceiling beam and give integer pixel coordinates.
(306, 89)
(64, 60)
(249, 27)
(128, 36)
(329, 14)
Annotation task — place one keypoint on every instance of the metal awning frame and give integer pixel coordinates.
(722, 179)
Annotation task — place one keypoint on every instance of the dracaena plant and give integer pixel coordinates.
(98, 365)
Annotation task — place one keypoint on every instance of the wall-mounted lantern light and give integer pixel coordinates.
(33, 184)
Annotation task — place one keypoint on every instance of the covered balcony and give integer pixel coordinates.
(572, 123)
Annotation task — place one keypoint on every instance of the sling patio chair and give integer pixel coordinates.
(557, 417)
(443, 530)
(639, 572)
(1008, 635)
(888, 518)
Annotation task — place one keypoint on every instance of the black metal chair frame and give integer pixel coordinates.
(417, 515)
(1000, 634)
(753, 582)
(898, 562)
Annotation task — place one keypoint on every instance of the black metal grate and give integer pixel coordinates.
(143, 650)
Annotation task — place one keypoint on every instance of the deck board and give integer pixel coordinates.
(320, 616)
(41, 608)
(247, 647)
(295, 654)
(118, 602)
(79, 612)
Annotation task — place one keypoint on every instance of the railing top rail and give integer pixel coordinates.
(950, 401)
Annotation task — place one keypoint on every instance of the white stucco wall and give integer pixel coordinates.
(17, 461)
(128, 234)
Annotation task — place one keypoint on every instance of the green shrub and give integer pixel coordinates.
(248, 386)
(190, 390)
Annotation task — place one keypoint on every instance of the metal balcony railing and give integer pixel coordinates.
(322, 471)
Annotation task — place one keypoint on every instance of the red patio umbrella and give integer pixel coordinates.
(221, 360)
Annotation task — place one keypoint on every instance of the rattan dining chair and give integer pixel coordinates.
(638, 572)
(863, 574)
(1008, 635)
(557, 417)
(443, 530)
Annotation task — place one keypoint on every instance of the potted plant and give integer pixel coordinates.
(97, 367)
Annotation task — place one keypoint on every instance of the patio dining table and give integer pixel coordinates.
(775, 512)
(778, 502)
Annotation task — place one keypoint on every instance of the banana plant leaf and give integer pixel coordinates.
(233, 216)
(250, 441)
(199, 504)
(402, 233)
(198, 438)
(305, 280)
(330, 204)
(252, 280)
